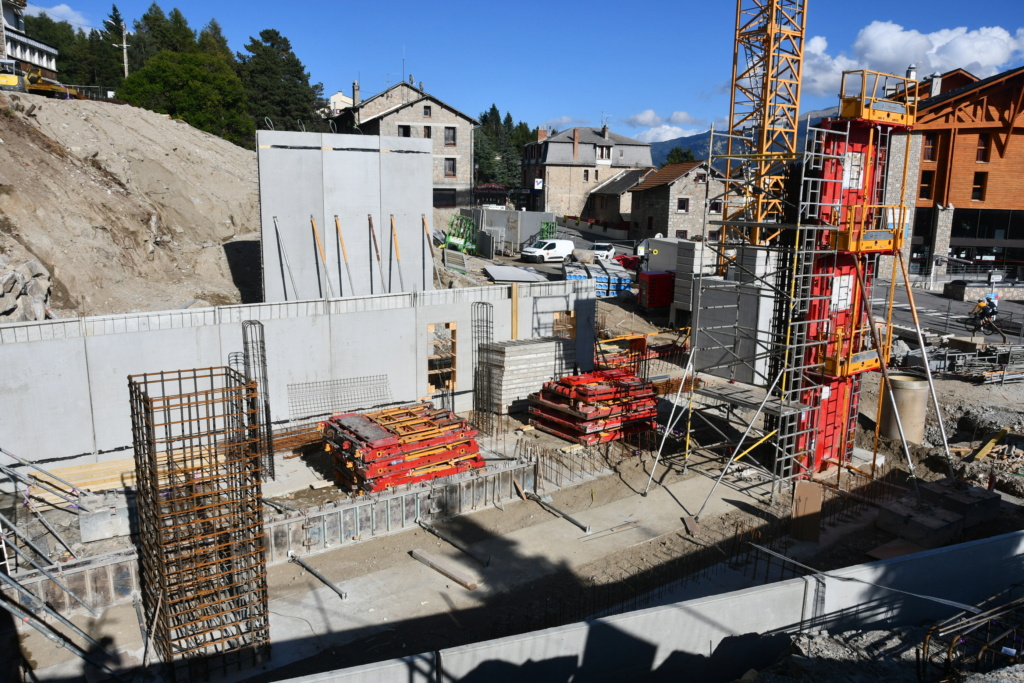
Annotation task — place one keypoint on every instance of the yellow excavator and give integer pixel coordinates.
(37, 84)
(10, 76)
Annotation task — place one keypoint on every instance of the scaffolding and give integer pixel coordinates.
(197, 440)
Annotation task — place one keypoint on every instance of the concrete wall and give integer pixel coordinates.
(720, 637)
(353, 177)
(64, 393)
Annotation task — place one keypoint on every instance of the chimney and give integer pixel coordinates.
(355, 93)
(912, 72)
(542, 134)
(604, 131)
(936, 84)
(575, 144)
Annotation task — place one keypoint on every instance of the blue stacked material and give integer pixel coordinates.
(610, 278)
(573, 271)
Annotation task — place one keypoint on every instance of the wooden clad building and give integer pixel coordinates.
(970, 182)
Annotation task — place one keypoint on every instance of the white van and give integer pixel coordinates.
(548, 250)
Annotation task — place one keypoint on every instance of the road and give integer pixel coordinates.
(942, 314)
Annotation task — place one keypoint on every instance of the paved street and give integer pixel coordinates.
(942, 314)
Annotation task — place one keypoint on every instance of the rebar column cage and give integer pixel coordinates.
(203, 569)
(256, 370)
(483, 333)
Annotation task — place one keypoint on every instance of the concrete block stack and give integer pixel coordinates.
(518, 368)
(595, 407)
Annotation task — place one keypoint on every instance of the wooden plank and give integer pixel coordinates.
(807, 511)
(986, 449)
(444, 568)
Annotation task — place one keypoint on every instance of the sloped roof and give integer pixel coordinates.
(593, 136)
(621, 182)
(952, 94)
(667, 175)
(423, 96)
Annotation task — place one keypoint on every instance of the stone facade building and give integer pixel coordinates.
(611, 202)
(562, 170)
(673, 202)
(405, 110)
(968, 147)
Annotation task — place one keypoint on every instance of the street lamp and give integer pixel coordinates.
(124, 42)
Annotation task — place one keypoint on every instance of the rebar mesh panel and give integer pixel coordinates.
(203, 569)
(312, 401)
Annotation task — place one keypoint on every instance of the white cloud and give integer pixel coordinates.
(682, 118)
(565, 121)
(646, 118)
(888, 47)
(60, 12)
(665, 132)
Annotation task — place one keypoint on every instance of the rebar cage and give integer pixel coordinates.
(201, 539)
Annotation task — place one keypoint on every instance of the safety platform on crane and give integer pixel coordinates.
(751, 398)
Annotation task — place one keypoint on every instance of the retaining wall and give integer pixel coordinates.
(63, 384)
(718, 638)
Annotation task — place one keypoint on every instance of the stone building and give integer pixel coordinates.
(562, 170)
(969, 203)
(406, 110)
(673, 202)
(611, 202)
(15, 44)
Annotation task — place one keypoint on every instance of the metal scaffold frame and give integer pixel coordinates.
(197, 445)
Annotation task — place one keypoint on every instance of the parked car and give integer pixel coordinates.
(548, 250)
(603, 251)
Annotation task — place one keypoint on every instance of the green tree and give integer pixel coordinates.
(179, 36)
(498, 147)
(277, 84)
(678, 155)
(212, 41)
(149, 38)
(61, 35)
(199, 88)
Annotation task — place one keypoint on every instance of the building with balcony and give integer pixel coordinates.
(18, 46)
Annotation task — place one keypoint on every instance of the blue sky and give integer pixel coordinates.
(653, 72)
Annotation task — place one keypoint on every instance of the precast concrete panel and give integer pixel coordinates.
(298, 350)
(47, 406)
(377, 343)
(673, 639)
(113, 357)
(291, 197)
(406, 192)
(352, 192)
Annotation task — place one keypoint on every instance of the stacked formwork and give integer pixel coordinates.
(518, 368)
(377, 451)
(595, 407)
(197, 439)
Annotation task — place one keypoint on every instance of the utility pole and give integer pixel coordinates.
(123, 45)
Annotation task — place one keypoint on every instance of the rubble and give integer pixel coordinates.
(24, 291)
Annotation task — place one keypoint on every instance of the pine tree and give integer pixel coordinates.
(212, 41)
(277, 84)
(678, 155)
(199, 88)
(179, 37)
(149, 38)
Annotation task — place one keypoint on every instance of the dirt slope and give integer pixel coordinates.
(129, 210)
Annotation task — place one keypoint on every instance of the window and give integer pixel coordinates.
(426, 110)
(449, 136)
(426, 132)
(595, 175)
(978, 190)
(449, 168)
(984, 142)
(650, 223)
(586, 175)
(715, 206)
(405, 131)
(604, 152)
(930, 143)
(927, 185)
(444, 199)
(441, 357)
(681, 234)
(683, 205)
(701, 178)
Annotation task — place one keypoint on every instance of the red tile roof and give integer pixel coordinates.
(667, 175)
